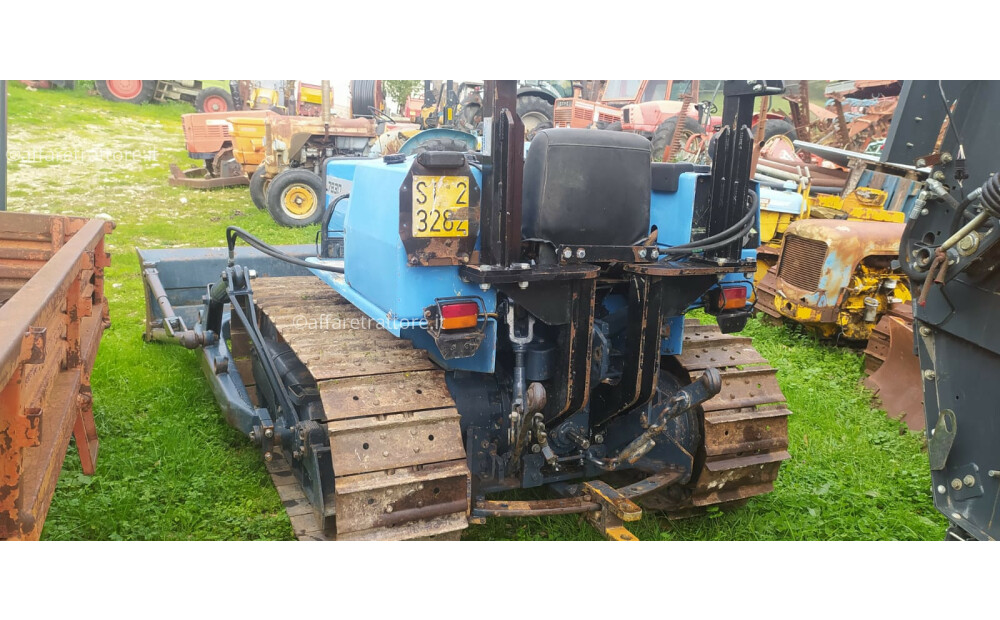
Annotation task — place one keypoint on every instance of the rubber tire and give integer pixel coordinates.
(469, 114)
(539, 127)
(663, 133)
(780, 127)
(199, 101)
(777, 127)
(258, 188)
(529, 104)
(284, 180)
(144, 96)
(615, 126)
(442, 144)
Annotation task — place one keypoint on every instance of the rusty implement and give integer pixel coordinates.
(52, 314)
(200, 178)
(894, 370)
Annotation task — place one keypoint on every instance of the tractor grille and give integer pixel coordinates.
(562, 116)
(802, 261)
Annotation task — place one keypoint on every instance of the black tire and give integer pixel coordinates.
(469, 114)
(615, 126)
(663, 134)
(442, 144)
(777, 127)
(143, 95)
(280, 194)
(533, 111)
(214, 93)
(258, 188)
(773, 127)
(538, 128)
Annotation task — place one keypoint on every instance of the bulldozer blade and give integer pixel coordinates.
(198, 178)
(895, 371)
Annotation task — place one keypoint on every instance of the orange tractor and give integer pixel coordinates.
(652, 108)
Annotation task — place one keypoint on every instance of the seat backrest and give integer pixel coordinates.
(586, 187)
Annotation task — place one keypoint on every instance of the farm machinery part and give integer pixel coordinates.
(652, 108)
(211, 99)
(835, 270)
(949, 250)
(52, 315)
(462, 333)
(208, 136)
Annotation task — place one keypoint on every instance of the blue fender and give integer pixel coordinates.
(431, 134)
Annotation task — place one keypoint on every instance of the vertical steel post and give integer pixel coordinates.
(500, 215)
(3, 145)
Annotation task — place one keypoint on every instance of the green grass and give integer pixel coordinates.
(170, 468)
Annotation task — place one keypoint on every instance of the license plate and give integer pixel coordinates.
(440, 206)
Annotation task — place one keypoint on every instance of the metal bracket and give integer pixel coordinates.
(941, 439)
(616, 510)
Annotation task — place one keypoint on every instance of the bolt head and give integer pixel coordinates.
(567, 253)
(929, 375)
(536, 448)
(642, 253)
(268, 457)
(925, 331)
(522, 285)
(956, 484)
(598, 438)
(654, 253)
(969, 480)
(941, 489)
(269, 433)
(484, 286)
(581, 253)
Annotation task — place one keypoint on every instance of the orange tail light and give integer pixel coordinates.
(732, 297)
(459, 315)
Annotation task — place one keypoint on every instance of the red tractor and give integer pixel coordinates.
(652, 107)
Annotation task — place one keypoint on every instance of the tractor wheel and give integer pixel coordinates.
(469, 114)
(533, 111)
(663, 134)
(442, 144)
(295, 198)
(615, 126)
(126, 91)
(539, 127)
(258, 187)
(777, 127)
(214, 99)
(773, 127)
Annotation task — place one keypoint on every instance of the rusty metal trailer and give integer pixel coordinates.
(52, 314)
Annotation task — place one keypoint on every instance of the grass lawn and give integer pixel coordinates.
(170, 468)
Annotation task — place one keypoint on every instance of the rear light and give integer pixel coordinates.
(459, 315)
(732, 297)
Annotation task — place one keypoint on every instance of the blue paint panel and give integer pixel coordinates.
(672, 212)
(377, 279)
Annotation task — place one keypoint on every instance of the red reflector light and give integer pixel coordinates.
(732, 298)
(459, 315)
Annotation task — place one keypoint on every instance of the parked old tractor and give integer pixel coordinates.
(651, 108)
(479, 322)
(211, 99)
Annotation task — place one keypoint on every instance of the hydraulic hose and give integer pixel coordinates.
(234, 232)
(734, 232)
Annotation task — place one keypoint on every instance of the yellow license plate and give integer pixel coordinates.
(440, 206)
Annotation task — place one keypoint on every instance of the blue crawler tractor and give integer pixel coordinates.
(473, 323)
